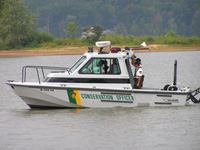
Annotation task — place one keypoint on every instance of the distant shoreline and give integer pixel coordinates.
(82, 50)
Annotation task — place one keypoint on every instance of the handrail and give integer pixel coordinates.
(24, 71)
(192, 95)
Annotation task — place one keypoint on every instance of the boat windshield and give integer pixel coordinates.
(101, 66)
(77, 64)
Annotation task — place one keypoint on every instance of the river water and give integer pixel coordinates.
(118, 128)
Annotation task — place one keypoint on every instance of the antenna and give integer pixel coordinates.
(175, 72)
(102, 44)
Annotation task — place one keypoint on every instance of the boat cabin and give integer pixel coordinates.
(103, 67)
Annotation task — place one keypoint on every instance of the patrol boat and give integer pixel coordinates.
(97, 79)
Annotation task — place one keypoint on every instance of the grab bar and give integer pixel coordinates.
(24, 71)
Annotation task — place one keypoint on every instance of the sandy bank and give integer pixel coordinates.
(82, 50)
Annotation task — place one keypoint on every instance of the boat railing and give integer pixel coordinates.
(41, 69)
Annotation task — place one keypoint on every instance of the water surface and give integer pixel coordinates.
(108, 128)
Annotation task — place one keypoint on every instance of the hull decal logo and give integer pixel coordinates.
(74, 97)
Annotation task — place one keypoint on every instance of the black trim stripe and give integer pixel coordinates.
(117, 101)
(53, 107)
(160, 95)
(124, 93)
(163, 103)
(88, 80)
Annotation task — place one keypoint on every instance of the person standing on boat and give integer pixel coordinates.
(138, 76)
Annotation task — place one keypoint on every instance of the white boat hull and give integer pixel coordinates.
(37, 96)
(98, 79)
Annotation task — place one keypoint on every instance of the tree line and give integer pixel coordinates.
(19, 26)
(128, 17)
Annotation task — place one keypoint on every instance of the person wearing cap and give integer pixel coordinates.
(138, 76)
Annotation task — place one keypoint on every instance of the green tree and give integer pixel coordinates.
(121, 29)
(92, 34)
(194, 27)
(71, 30)
(138, 17)
(170, 34)
(1, 6)
(16, 23)
(98, 31)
